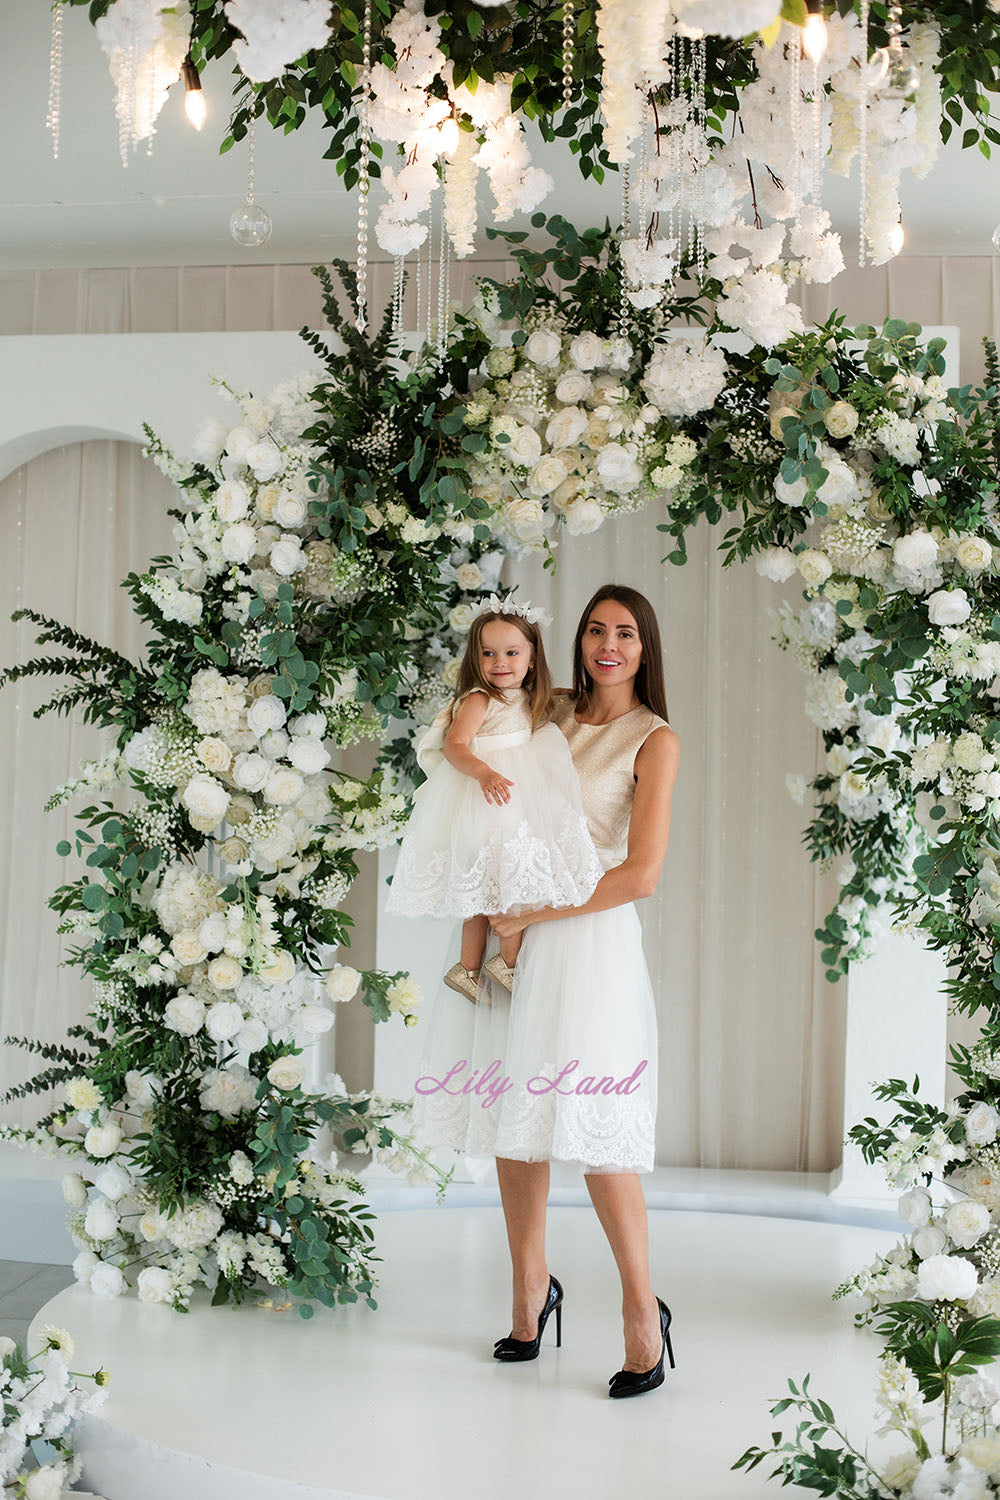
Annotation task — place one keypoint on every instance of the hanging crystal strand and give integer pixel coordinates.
(442, 253)
(55, 77)
(364, 180)
(419, 290)
(151, 105)
(568, 46)
(126, 101)
(430, 271)
(863, 142)
(623, 303)
(700, 120)
(816, 161)
(794, 55)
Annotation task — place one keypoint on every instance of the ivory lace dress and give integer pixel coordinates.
(462, 855)
(566, 1067)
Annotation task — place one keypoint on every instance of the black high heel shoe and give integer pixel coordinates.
(511, 1349)
(634, 1382)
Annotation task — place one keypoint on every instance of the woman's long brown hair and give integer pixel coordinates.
(537, 684)
(649, 685)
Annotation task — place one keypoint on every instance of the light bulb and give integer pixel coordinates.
(448, 135)
(195, 107)
(194, 99)
(814, 37)
(250, 224)
(896, 238)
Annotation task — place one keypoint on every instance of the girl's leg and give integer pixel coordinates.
(524, 1191)
(621, 1208)
(474, 933)
(510, 947)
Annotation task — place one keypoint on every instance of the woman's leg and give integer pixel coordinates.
(524, 1191)
(621, 1208)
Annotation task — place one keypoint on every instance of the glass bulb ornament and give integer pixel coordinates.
(902, 77)
(250, 224)
(896, 238)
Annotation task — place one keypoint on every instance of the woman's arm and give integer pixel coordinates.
(649, 831)
(471, 712)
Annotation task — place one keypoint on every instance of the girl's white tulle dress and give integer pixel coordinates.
(462, 855)
(566, 1067)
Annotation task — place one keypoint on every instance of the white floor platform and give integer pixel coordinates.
(407, 1403)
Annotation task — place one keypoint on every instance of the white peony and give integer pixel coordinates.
(101, 1222)
(946, 1278)
(46, 1483)
(948, 607)
(185, 1014)
(155, 1284)
(791, 492)
(102, 1140)
(239, 542)
(74, 1190)
(582, 517)
(232, 501)
(814, 566)
(206, 798)
(286, 1072)
(283, 786)
(107, 1281)
(914, 550)
(309, 756)
(914, 1207)
(113, 1181)
(84, 1266)
(775, 563)
(342, 982)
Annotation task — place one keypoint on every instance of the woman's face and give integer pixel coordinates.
(611, 646)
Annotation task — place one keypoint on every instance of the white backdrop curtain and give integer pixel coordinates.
(751, 1033)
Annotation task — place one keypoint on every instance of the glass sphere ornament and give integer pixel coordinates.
(996, 240)
(877, 68)
(250, 224)
(903, 77)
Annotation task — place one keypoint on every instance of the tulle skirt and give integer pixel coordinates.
(565, 1068)
(462, 855)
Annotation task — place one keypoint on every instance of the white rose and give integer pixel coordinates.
(45, 1483)
(582, 517)
(239, 542)
(460, 618)
(102, 1140)
(74, 1190)
(948, 607)
(586, 351)
(342, 982)
(287, 556)
(101, 1222)
(286, 1072)
(223, 1020)
(214, 754)
(929, 1241)
(107, 1281)
(967, 1222)
(984, 1453)
(547, 475)
(543, 347)
(250, 771)
(981, 1124)
(252, 1036)
(840, 419)
(264, 458)
(838, 758)
(279, 968)
(265, 712)
(232, 501)
(778, 416)
(946, 1278)
(206, 798)
(525, 517)
(618, 469)
(572, 387)
(974, 553)
(566, 428)
(775, 563)
(188, 948)
(914, 1207)
(184, 1014)
(155, 1284)
(239, 442)
(914, 550)
(468, 575)
(113, 1181)
(224, 972)
(314, 1020)
(309, 756)
(814, 566)
(899, 1471)
(525, 446)
(793, 493)
(213, 931)
(284, 785)
(83, 1268)
(291, 510)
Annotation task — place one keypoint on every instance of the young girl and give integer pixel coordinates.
(498, 825)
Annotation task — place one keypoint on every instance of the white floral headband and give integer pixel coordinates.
(494, 605)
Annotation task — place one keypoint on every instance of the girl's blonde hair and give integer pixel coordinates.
(537, 684)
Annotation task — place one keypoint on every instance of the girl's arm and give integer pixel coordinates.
(649, 831)
(471, 712)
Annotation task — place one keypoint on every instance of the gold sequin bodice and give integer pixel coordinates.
(504, 715)
(604, 757)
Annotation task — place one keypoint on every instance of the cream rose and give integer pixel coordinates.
(188, 948)
(814, 566)
(574, 386)
(214, 754)
(280, 967)
(543, 347)
(224, 972)
(291, 510)
(232, 501)
(840, 419)
(460, 618)
(267, 499)
(974, 553)
(468, 575)
(586, 351)
(566, 428)
(286, 1072)
(234, 850)
(967, 1222)
(547, 475)
(206, 798)
(283, 786)
(342, 982)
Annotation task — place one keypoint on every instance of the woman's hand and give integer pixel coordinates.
(495, 786)
(506, 925)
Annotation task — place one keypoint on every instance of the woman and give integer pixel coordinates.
(567, 1067)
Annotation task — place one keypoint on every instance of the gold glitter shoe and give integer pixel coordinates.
(464, 980)
(498, 970)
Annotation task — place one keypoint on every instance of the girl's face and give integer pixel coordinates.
(505, 655)
(611, 646)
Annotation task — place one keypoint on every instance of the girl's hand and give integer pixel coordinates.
(505, 925)
(495, 786)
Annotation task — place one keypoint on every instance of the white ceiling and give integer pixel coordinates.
(172, 207)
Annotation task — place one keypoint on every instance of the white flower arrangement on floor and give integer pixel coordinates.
(40, 1401)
